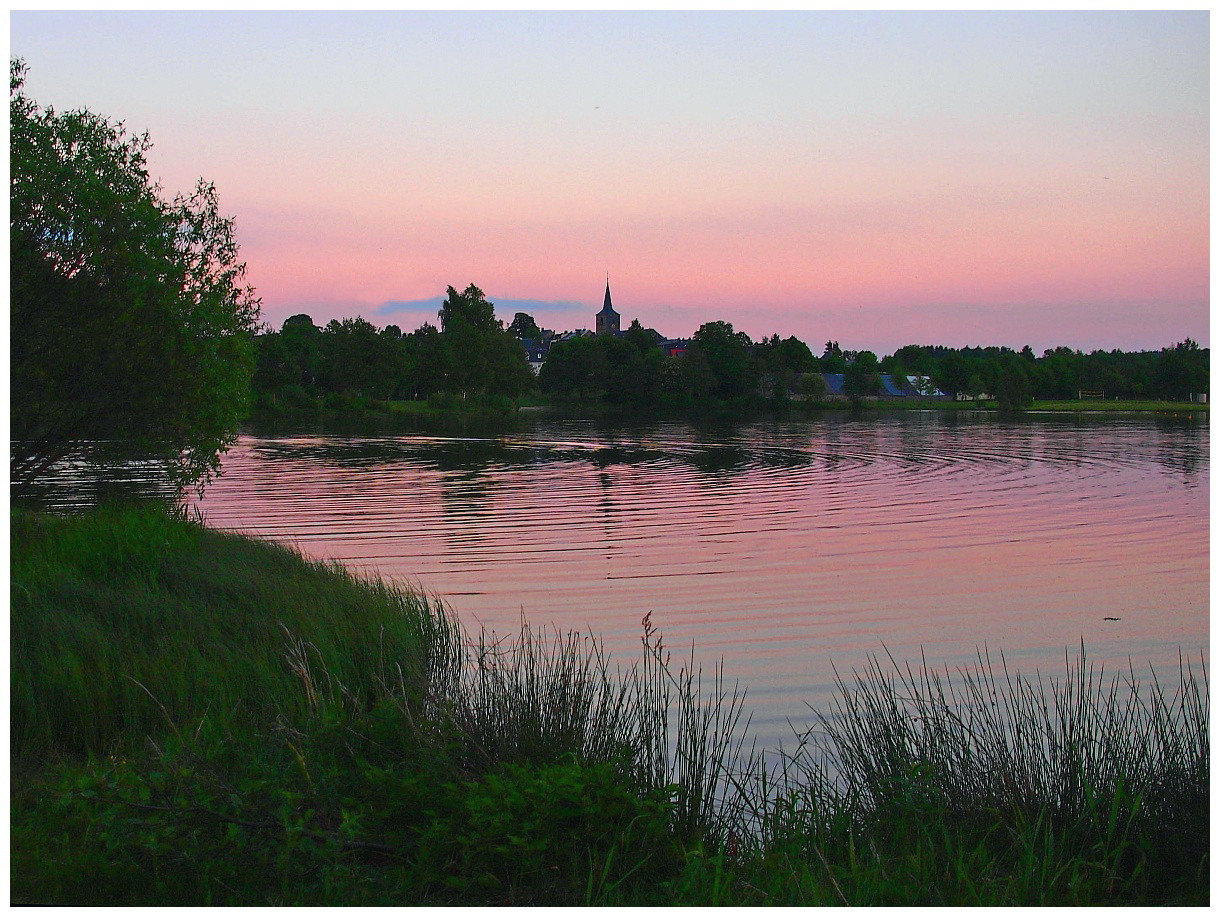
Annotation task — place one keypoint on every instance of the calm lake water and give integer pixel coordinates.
(783, 548)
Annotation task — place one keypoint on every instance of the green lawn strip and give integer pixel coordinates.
(1166, 407)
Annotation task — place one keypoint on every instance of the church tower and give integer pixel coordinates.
(607, 318)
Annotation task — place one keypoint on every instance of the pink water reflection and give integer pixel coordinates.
(782, 548)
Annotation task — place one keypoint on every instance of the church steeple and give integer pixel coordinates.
(607, 318)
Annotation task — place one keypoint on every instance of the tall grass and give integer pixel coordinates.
(991, 739)
(127, 618)
(545, 696)
(1012, 788)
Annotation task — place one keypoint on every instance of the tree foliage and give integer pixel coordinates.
(471, 355)
(1061, 373)
(861, 378)
(952, 374)
(1012, 389)
(727, 354)
(130, 317)
(1181, 370)
(620, 370)
(480, 356)
(524, 327)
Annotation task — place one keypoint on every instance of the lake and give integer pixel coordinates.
(785, 548)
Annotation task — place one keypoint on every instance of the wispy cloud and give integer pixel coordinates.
(504, 307)
(394, 306)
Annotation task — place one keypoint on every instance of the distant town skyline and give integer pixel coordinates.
(879, 179)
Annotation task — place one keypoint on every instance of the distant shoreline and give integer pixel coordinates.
(389, 412)
(1042, 407)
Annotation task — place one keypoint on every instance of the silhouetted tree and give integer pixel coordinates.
(357, 359)
(131, 324)
(727, 355)
(524, 327)
(1012, 391)
(1181, 370)
(862, 377)
(952, 374)
(480, 357)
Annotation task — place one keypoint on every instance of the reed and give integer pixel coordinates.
(547, 697)
(984, 785)
(988, 739)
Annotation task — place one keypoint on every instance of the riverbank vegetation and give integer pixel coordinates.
(1068, 406)
(201, 718)
(1120, 405)
(296, 408)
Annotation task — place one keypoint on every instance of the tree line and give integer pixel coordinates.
(723, 365)
(474, 354)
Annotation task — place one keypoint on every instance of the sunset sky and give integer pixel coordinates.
(876, 178)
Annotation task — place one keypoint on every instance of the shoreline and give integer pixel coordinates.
(407, 413)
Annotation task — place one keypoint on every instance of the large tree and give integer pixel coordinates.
(727, 354)
(952, 374)
(862, 378)
(130, 319)
(357, 359)
(480, 356)
(577, 367)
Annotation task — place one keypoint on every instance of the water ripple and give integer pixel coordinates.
(784, 547)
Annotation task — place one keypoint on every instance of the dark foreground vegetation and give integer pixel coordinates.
(200, 718)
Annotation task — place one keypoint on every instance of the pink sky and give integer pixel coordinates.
(879, 179)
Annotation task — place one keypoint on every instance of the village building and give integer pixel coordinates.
(607, 322)
(892, 386)
(536, 351)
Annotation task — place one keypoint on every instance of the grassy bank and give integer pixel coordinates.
(199, 718)
(340, 411)
(1091, 406)
(1094, 405)
(754, 405)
